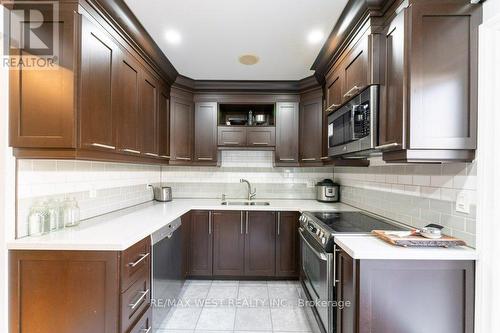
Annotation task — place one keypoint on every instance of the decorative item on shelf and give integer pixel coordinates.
(71, 212)
(38, 220)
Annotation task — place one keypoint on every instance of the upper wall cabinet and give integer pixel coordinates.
(310, 128)
(429, 95)
(287, 133)
(205, 133)
(356, 68)
(103, 101)
(181, 127)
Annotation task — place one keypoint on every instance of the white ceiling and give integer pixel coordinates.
(214, 33)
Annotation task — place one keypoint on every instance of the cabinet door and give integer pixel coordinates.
(311, 130)
(287, 133)
(231, 136)
(181, 129)
(355, 69)
(99, 79)
(334, 90)
(42, 101)
(392, 115)
(346, 292)
(205, 132)
(149, 114)
(443, 67)
(287, 244)
(200, 244)
(229, 243)
(261, 137)
(128, 120)
(164, 124)
(260, 238)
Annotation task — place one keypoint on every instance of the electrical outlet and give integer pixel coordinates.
(93, 193)
(463, 203)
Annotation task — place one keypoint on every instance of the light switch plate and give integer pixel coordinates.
(93, 193)
(463, 203)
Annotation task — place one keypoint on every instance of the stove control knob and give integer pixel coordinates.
(323, 240)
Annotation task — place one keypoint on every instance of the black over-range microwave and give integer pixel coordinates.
(352, 128)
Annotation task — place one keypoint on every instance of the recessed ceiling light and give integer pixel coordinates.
(248, 59)
(315, 36)
(173, 37)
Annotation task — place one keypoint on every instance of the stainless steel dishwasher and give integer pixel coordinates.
(168, 275)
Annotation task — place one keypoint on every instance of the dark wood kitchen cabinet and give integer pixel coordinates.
(260, 239)
(100, 61)
(181, 127)
(229, 243)
(287, 134)
(128, 135)
(149, 89)
(429, 98)
(287, 244)
(79, 291)
(261, 137)
(334, 89)
(100, 102)
(310, 128)
(200, 243)
(164, 123)
(374, 290)
(205, 133)
(231, 136)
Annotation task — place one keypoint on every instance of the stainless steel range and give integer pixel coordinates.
(318, 270)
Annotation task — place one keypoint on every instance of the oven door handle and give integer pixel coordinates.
(320, 255)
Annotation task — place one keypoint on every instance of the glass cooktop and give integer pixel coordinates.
(354, 222)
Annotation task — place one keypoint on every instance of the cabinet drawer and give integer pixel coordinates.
(231, 136)
(135, 299)
(261, 137)
(133, 260)
(145, 324)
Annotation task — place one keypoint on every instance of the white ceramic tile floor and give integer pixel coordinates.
(237, 306)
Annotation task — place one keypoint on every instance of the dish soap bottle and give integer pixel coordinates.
(250, 118)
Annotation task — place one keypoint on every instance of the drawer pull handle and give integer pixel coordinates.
(287, 159)
(205, 158)
(151, 154)
(126, 150)
(139, 300)
(183, 158)
(231, 143)
(309, 159)
(388, 146)
(102, 146)
(165, 156)
(352, 92)
(146, 330)
(324, 158)
(143, 256)
(260, 143)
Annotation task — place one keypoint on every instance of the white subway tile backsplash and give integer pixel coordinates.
(117, 185)
(414, 194)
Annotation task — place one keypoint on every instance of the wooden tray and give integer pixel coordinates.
(418, 241)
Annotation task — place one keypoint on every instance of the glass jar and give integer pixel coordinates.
(38, 220)
(71, 213)
(55, 214)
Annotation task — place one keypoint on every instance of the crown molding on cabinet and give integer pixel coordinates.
(242, 86)
(126, 23)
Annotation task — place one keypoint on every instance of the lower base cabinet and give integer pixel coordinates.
(409, 296)
(259, 244)
(80, 291)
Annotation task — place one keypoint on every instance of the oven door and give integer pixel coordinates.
(317, 273)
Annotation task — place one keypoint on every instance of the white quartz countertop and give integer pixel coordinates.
(371, 247)
(121, 229)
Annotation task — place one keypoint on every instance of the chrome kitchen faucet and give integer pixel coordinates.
(251, 194)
